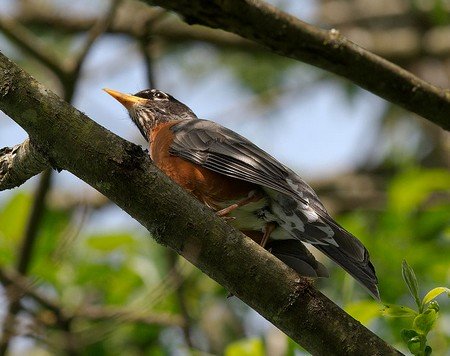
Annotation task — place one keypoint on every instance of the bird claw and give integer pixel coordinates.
(228, 218)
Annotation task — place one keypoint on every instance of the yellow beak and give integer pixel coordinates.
(125, 99)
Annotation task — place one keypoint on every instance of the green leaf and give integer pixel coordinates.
(13, 216)
(409, 189)
(408, 334)
(398, 311)
(411, 281)
(247, 347)
(424, 322)
(108, 243)
(432, 294)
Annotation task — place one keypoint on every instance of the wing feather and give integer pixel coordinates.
(216, 147)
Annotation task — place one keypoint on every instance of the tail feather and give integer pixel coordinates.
(294, 254)
(352, 256)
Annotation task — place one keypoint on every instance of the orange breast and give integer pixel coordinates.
(209, 187)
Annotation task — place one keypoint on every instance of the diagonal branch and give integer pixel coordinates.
(76, 62)
(123, 172)
(32, 44)
(290, 37)
(99, 27)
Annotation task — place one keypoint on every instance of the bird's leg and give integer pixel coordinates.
(253, 196)
(268, 229)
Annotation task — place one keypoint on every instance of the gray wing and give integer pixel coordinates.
(224, 151)
(219, 149)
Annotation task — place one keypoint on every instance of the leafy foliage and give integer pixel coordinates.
(424, 319)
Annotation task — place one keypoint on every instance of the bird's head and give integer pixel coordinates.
(151, 107)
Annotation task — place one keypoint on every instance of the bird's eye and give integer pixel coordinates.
(159, 95)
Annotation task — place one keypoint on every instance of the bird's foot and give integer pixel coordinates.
(228, 218)
(253, 196)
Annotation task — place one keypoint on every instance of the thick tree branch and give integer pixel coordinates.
(20, 163)
(124, 173)
(290, 37)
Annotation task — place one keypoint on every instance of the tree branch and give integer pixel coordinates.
(290, 37)
(124, 173)
(32, 44)
(20, 163)
(75, 62)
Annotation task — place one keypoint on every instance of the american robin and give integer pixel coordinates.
(261, 197)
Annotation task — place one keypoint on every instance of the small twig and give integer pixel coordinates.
(32, 44)
(25, 256)
(95, 32)
(27, 287)
(180, 296)
(171, 30)
(70, 80)
(107, 313)
(147, 44)
(32, 227)
(147, 52)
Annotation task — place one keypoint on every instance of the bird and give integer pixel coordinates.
(245, 185)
